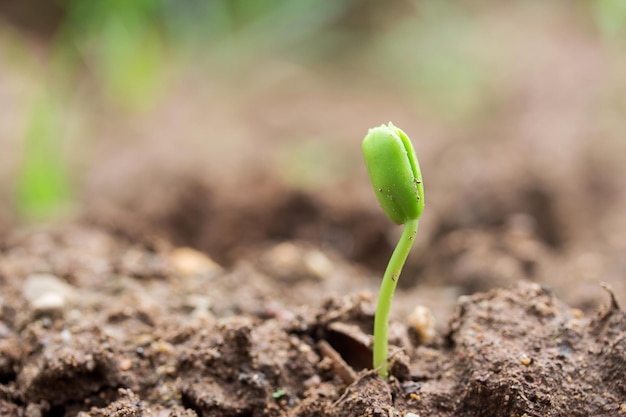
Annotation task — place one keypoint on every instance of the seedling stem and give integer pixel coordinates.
(387, 288)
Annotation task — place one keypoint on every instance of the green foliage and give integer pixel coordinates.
(122, 44)
(610, 16)
(43, 189)
(128, 48)
(433, 56)
(129, 45)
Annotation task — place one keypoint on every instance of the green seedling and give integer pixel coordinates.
(278, 394)
(395, 175)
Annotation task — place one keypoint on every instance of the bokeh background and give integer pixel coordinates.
(225, 124)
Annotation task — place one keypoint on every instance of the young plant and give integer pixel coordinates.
(395, 175)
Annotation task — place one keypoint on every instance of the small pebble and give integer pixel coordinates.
(576, 313)
(49, 302)
(161, 346)
(125, 364)
(526, 360)
(34, 410)
(422, 321)
(411, 387)
(285, 254)
(318, 264)
(190, 262)
(66, 335)
(313, 381)
(46, 292)
(4, 331)
(90, 363)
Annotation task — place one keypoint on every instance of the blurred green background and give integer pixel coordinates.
(91, 90)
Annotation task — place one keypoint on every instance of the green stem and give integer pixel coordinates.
(387, 288)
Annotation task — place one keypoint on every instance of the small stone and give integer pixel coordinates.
(125, 364)
(47, 293)
(542, 308)
(422, 321)
(285, 256)
(49, 302)
(66, 336)
(4, 331)
(577, 313)
(169, 370)
(318, 264)
(313, 381)
(411, 387)
(90, 363)
(164, 347)
(526, 360)
(190, 262)
(35, 410)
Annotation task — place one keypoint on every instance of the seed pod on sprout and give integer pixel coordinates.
(394, 172)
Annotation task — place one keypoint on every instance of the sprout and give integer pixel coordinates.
(395, 175)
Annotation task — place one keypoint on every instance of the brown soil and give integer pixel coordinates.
(94, 324)
(500, 310)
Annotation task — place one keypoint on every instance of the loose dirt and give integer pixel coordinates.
(97, 324)
(228, 248)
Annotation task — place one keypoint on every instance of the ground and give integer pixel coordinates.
(97, 324)
(225, 248)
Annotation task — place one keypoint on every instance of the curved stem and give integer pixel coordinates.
(387, 288)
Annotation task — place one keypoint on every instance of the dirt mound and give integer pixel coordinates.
(92, 324)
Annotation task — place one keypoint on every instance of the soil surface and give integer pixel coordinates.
(96, 324)
(225, 249)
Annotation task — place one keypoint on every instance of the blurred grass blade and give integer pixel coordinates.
(42, 188)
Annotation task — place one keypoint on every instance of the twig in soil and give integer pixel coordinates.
(397, 180)
(614, 304)
(345, 372)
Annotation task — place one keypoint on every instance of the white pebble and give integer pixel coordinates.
(422, 320)
(46, 292)
(50, 301)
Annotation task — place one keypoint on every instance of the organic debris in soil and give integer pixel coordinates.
(126, 329)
